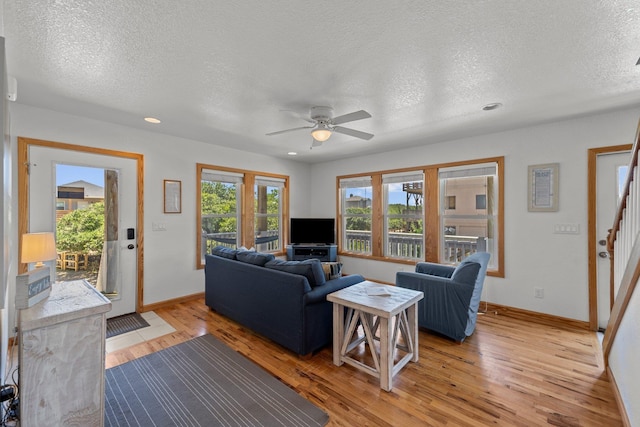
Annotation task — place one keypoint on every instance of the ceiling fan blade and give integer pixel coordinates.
(356, 115)
(353, 132)
(288, 130)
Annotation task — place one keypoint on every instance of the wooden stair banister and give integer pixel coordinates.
(631, 270)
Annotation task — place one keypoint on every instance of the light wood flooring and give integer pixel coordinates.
(513, 371)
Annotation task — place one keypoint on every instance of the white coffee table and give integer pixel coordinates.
(392, 316)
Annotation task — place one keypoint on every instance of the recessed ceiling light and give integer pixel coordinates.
(292, 153)
(492, 106)
(152, 120)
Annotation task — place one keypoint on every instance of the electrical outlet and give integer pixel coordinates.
(538, 292)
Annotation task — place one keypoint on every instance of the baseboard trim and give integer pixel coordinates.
(618, 397)
(546, 319)
(170, 302)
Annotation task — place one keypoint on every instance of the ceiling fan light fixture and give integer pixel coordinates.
(321, 133)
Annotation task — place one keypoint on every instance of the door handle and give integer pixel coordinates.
(130, 246)
(602, 242)
(603, 254)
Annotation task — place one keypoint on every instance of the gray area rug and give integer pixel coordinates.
(202, 382)
(126, 323)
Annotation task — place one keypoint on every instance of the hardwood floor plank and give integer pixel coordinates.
(513, 371)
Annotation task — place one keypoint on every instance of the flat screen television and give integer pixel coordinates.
(312, 231)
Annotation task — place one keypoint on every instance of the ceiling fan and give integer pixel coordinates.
(324, 125)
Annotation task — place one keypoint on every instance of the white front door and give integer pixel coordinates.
(611, 173)
(119, 258)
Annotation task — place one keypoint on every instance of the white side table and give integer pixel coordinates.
(62, 356)
(394, 316)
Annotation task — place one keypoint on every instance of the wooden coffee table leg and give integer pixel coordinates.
(338, 333)
(412, 313)
(386, 354)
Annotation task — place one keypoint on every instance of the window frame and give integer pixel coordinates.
(340, 223)
(389, 179)
(246, 209)
(431, 212)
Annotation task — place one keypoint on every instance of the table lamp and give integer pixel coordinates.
(38, 247)
(35, 285)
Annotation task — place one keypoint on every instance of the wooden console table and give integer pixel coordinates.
(62, 356)
(394, 316)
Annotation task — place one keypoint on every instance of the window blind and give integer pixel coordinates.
(358, 182)
(221, 176)
(409, 176)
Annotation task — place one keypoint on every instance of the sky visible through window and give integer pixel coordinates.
(69, 173)
(396, 195)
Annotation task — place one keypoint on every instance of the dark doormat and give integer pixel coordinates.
(125, 323)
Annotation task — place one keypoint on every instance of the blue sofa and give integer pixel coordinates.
(451, 294)
(284, 301)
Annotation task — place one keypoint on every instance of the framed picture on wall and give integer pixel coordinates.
(172, 196)
(543, 187)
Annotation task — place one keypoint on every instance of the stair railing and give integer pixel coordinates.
(623, 246)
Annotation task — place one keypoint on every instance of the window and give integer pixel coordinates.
(240, 208)
(219, 209)
(268, 213)
(355, 219)
(435, 213)
(622, 172)
(403, 215)
(474, 222)
(450, 202)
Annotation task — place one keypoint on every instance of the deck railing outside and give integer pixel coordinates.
(411, 245)
(267, 241)
(400, 245)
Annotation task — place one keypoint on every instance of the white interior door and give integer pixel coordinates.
(610, 174)
(121, 286)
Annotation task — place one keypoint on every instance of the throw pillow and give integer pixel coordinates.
(224, 252)
(255, 258)
(466, 272)
(310, 268)
(332, 270)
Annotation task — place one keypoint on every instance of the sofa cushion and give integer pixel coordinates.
(466, 272)
(310, 268)
(224, 252)
(255, 258)
(332, 270)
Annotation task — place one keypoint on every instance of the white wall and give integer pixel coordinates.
(169, 256)
(534, 256)
(623, 359)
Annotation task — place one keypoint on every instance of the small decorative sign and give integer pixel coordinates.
(32, 287)
(172, 196)
(543, 187)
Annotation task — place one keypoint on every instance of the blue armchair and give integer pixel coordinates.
(451, 294)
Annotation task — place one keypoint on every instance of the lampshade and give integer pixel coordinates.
(321, 133)
(38, 247)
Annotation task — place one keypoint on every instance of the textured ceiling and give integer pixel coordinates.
(223, 72)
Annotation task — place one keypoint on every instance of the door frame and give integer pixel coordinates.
(593, 154)
(23, 198)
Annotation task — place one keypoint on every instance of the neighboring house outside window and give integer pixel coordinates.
(471, 227)
(403, 215)
(355, 223)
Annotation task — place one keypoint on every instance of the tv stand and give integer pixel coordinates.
(325, 253)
